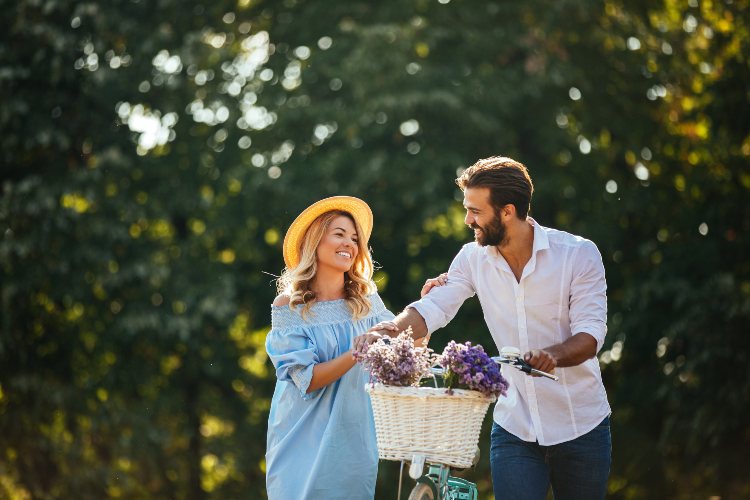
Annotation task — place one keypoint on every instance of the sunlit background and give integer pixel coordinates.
(153, 154)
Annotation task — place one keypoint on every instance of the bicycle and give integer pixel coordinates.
(437, 483)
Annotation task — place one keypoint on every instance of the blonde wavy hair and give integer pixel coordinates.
(358, 284)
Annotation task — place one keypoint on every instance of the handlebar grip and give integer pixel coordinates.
(534, 371)
(523, 366)
(520, 364)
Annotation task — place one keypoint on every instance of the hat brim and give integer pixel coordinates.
(356, 207)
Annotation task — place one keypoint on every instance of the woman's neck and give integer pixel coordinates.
(328, 284)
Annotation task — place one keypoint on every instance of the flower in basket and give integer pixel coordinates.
(395, 360)
(468, 366)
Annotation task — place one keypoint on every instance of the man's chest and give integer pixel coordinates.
(544, 286)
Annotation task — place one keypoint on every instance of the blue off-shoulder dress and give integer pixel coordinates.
(320, 445)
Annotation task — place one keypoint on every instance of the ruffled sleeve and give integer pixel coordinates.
(293, 354)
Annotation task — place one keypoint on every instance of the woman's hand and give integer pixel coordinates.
(360, 342)
(433, 282)
(372, 335)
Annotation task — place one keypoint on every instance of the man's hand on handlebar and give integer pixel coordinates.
(541, 360)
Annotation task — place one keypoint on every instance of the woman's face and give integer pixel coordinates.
(339, 247)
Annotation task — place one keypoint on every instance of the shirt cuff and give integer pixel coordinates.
(597, 331)
(433, 317)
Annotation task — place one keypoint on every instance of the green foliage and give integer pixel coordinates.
(154, 153)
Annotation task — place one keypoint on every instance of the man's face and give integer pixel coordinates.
(481, 217)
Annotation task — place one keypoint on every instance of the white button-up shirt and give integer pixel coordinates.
(562, 292)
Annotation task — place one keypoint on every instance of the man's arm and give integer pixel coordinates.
(588, 315)
(439, 307)
(572, 352)
(409, 317)
(436, 308)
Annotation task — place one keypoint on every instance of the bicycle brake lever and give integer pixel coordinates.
(520, 364)
(526, 368)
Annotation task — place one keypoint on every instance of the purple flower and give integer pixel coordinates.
(470, 367)
(395, 361)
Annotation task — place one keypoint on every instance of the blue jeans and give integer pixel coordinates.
(576, 470)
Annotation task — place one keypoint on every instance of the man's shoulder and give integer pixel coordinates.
(564, 238)
(470, 246)
(472, 250)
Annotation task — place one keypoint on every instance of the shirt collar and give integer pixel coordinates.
(541, 241)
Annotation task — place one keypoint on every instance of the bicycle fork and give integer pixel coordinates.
(443, 485)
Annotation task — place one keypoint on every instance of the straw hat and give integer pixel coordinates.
(356, 207)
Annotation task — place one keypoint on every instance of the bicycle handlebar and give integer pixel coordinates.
(520, 364)
(509, 356)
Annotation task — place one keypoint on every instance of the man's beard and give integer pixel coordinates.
(493, 235)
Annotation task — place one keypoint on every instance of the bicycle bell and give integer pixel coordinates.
(510, 352)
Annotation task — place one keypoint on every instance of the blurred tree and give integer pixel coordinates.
(129, 363)
(154, 153)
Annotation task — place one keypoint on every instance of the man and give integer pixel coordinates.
(544, 291)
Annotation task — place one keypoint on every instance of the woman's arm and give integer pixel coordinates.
(330, 371)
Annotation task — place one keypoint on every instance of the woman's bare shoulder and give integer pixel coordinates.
(281, 300)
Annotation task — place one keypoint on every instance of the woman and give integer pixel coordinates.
(321, 434)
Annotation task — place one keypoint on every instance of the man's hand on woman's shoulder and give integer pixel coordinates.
(432, 283)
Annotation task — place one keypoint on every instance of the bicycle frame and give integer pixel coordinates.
(443, 485)
(438, 478)
(449, 487)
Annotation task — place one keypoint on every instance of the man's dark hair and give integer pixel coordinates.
(508, 180)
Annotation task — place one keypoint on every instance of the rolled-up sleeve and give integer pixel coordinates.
(588, 294)
(441, 304)
(294, 355)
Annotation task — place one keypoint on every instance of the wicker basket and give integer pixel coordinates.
(427, 421)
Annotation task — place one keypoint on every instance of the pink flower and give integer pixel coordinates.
(395, 361)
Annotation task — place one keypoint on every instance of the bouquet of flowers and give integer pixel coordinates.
(468, 366)
(395, 361)
(442, 424)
